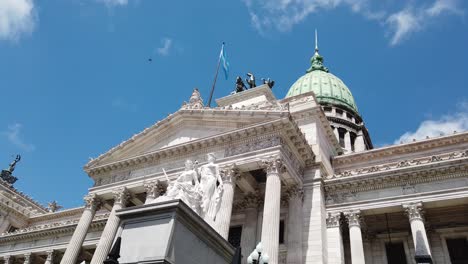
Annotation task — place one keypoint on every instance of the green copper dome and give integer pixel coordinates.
(328, 88)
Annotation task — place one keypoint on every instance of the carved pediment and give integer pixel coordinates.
(182, 127)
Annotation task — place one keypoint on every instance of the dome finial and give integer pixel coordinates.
(317, 61)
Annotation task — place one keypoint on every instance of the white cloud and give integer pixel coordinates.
(411, 20)
(166, 47)
(442, 126)
(283, 15)
(13, 134)
(17, 17)
(114, 2)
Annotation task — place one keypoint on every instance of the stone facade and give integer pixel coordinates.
(286, 186)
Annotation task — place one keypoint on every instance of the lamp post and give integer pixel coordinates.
(256, 256)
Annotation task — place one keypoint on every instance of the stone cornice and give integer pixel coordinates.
(40, 231)
(284, 124)
(402, 149)
(179, 116)
(22, 196)
(77, 211)
(434, 171)
(404, 163)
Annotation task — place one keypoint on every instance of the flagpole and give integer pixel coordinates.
(216, 77)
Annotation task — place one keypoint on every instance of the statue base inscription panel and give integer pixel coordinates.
(169, 232)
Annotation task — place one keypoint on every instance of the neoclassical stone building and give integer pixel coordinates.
(300, 174)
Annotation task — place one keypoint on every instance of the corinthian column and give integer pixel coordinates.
(271, 209)
(355, 237)
(50, 257)
(121, 196)
(295, 196)
(92, 204)
(153, 190)
(7, 259)
(27, 258)
(250, 204)
(422, 250)
(223, 218)
(334, 239)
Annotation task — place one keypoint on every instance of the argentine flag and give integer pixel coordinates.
(223, 59)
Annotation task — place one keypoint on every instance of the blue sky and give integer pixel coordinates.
(75, 78)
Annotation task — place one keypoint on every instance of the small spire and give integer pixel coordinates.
(316, 42)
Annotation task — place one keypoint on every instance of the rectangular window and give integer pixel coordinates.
(458, 250)
(395, 253)
(234, 237)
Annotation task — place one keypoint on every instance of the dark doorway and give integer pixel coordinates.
(458, 250)
(234, 237)
(395, 253)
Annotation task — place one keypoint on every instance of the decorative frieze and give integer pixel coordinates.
(92, 202)
(396, 178)
(353, 218)
(414, 211)
(398, 164)
(121, 196)
(294, 192)
(253, 146)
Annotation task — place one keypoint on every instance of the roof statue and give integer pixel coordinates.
(6, 175)
(240, 85)
(54, 206)
(195, 101)
(251, 80)
(268, 82)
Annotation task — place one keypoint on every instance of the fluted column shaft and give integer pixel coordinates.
(249, 229)
(359, 144)
(92, 204)
(108, 234)
(223, 218)
(295, 196)
(355, 237)
(347, 140)
(422, 249)
(271, 210)
(335, 239)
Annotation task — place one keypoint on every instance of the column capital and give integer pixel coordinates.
(353, 218)
(121, 195)
(294, 191)
(333, 220)
(230, 174)
(251, 200)
(7, 259)
(153, 189)
(92, 201)
(273, 165)
(414, 211)
(27, 258)
(50, 256)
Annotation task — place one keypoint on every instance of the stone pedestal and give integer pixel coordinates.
(422, 250)
(169, 232)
